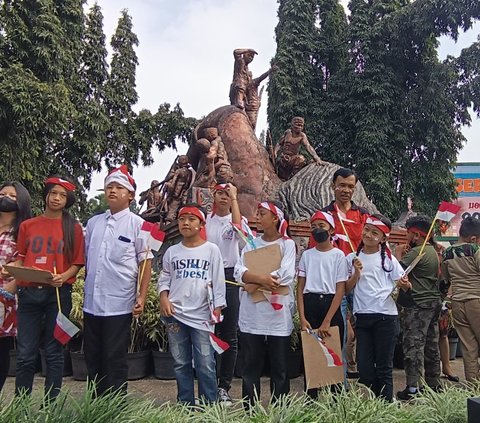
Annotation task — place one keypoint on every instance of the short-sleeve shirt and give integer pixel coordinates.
(220, 231)
(424, 276)
(372, 292)
(40, 244)
(322, 270)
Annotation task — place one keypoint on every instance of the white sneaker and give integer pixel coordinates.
(224, 397)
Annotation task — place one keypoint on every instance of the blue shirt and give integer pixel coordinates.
(114, 249)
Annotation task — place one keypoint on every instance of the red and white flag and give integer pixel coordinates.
(275, 299)
(156, 238)
(64, 329)
(447, 211)
(218, 345)
(333, 359)
(145, 230)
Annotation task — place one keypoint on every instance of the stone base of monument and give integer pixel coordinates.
(473, 410)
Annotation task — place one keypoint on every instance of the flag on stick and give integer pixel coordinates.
(145, 230)
(274, 299)
(156, 238)
(447, 211)
(64, 329)
(218, 345)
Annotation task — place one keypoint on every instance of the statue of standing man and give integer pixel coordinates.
(244, 89)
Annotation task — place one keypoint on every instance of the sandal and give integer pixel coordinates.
(451, 378)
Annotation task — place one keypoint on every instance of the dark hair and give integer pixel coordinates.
(422, 222)
(24, 205)
(383, 245)
(68, 221)
(344, 172)
(469, 227)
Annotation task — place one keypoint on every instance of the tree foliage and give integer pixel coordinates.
(377, 98)
(63, 108)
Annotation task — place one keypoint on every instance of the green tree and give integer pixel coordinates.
(390, 108)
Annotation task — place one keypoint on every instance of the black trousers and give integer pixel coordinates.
(106, 345)
(254, 348)
(5, 346)
(376, 338)
(316, 307)
(228, 332)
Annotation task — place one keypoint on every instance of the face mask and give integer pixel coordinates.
(320, 235)
(8, 205)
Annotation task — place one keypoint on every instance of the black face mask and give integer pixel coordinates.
(8, 205)
(320, 235)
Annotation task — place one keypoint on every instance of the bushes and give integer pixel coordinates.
(354, 407)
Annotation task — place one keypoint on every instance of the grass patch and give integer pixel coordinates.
(355, 406)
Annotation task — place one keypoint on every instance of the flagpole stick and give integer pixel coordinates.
(142, 270)
(346, 233)
(428, 235)
(57, 291)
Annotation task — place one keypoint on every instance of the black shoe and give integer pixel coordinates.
(406, 395)
(353, 375)
(451, 378)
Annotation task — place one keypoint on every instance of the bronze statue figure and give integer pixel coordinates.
(241, 76)
(179, 179)
(287, 152)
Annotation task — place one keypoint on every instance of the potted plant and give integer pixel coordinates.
(156, 333)
(295, 356)
(75, 346)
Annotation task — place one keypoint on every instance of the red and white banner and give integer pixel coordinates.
(218, 345)
(64, 329)
(332, 358)
(447, 211)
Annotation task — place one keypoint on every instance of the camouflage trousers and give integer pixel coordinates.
(420, 343)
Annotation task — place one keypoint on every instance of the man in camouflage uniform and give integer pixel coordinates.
(420, 319)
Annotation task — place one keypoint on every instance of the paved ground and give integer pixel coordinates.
(162, 390)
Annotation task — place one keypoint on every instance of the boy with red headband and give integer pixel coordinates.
(420, 320)
(220, 231)
(192, 295)
(118, 259)
(322, 273)
(53, 242)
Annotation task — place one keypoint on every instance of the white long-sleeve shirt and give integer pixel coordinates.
(187, 274)
(261, 318)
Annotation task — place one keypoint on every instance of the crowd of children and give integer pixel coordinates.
(210, 291)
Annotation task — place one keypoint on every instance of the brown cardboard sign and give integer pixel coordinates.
(264, 261)
(317, 371)
(29, 274)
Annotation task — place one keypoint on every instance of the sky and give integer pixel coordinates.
(186, 56)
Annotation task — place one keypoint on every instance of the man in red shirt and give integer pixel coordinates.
(350, 218)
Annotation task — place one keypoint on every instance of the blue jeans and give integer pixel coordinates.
(37, 315)
(186, 341)
(376, 338)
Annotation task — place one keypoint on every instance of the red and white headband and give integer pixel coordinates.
(121, 176)
(379, 224)
(325, 216)
(220, 187)
(192, 210)
(282, 228)
(59, 181)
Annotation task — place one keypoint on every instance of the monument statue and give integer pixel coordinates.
(179, 179)
(213, 166)
(287, 152)
(154, 198)
(241, 76)
(253, 98)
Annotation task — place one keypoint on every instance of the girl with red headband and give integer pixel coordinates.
(52, 241)
(192, 295)
(374, 276)
(322, 273)
(265, 329)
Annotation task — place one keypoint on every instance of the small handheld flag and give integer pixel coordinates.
(218, 345)
(64, 329)
(274, 299)
(156, 238)
(447, 211)
(145, 230)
